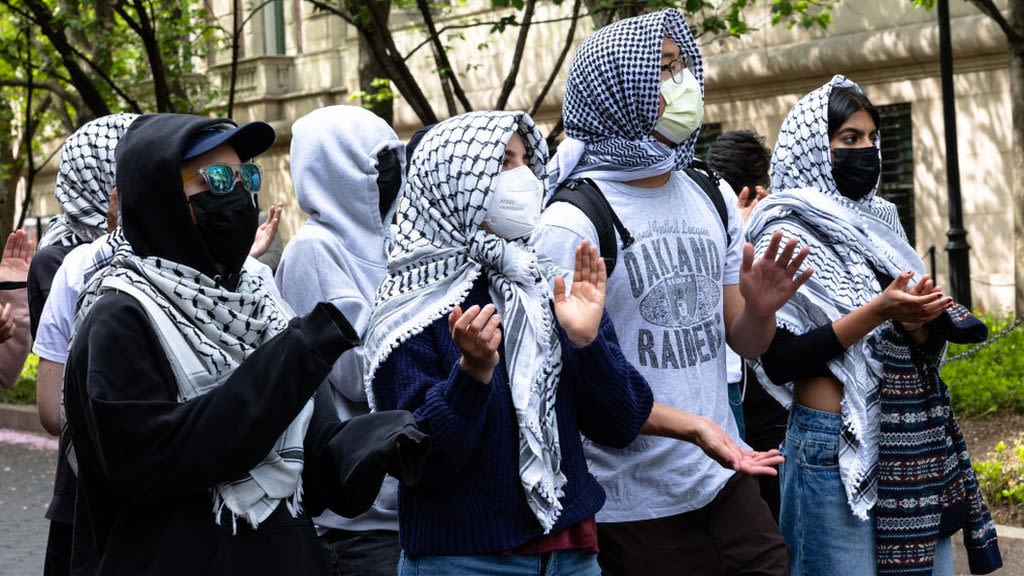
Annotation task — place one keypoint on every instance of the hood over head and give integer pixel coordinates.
(154, 211)
(334, 159)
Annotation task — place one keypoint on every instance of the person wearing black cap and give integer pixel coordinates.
(201, 442)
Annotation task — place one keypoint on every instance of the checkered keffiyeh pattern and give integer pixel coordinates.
(439, 250)
(85, 180)
(206, 332)
(849, 241)
(611, 102)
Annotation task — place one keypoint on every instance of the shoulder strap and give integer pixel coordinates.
(585, 195)
(707, 179)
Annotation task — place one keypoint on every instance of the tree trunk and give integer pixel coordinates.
(8, 185)
(85, 86)
(371, 68)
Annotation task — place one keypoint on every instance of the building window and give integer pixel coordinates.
(897, 142)
(273, 27)
(708, 134)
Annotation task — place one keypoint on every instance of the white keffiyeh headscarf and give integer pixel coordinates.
(206, 332)
(85, 180)
(849, 240)
(611, 102)
(439, 250)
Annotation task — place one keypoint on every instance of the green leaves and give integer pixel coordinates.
(991, 381)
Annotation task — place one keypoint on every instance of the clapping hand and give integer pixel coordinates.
(17, 256)
(772, 280)
(579, 312)
(477, 333)
(748, 199)
(913, 307)
(266, 233)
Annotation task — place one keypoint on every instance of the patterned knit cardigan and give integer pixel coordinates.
(927, 489)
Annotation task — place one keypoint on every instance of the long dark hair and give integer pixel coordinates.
(843, 102)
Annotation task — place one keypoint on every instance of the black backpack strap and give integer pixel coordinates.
(585, 195)
(708, 180)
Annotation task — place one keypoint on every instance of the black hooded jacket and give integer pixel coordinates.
(147, 462)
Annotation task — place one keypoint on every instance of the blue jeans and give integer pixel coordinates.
(557, 563)
(824, 536)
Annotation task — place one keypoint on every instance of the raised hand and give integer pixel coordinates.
(17, 256)
(477, 334)
(714, 441)
(771, 281)
(748, 199)
(266, 233)
(579, 312)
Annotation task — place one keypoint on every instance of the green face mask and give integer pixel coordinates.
(684, 107)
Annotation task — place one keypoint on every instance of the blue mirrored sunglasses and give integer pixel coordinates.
(221, 177)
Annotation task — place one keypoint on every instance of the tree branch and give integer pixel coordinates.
(561, 60)
(382, 46)
(989, 8)
(40, 15)
(517, 56)
(48, 86)
(441, 55)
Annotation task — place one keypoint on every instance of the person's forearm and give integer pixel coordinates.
(858, 324)
(49, 383)
(750, 335)
(671, 422)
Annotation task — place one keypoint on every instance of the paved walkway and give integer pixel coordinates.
(27, 463)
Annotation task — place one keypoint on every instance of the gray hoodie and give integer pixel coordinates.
(338, 254)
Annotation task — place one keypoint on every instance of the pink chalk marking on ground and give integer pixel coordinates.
(33, 441)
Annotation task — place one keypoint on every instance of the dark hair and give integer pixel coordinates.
(844, 102)
(741, 158)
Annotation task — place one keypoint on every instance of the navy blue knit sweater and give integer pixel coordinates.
(470, 500)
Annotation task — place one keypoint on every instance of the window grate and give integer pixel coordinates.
(708, 134)
(897, 143)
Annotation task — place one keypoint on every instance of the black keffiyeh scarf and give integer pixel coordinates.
(437, 253)
(85, 179)
(611, 102)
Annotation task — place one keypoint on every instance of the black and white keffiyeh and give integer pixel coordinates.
(611, 100)
(206, 332)
(848, 240)
(85, 179)
(438, 251)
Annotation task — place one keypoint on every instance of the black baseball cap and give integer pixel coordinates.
(249, 140)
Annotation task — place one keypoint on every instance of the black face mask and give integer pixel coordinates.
(856, 171)
(389, 179)
(227, 224)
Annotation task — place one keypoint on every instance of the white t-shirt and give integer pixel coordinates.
(58, 316)
(665, 299)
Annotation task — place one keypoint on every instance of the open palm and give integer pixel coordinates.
(579, 312)
(772, 280)
(17, 256)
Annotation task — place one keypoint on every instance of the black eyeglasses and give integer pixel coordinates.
(221, 177)
(675, 68)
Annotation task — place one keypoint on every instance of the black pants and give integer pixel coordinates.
(734, 534)
(364, 553)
